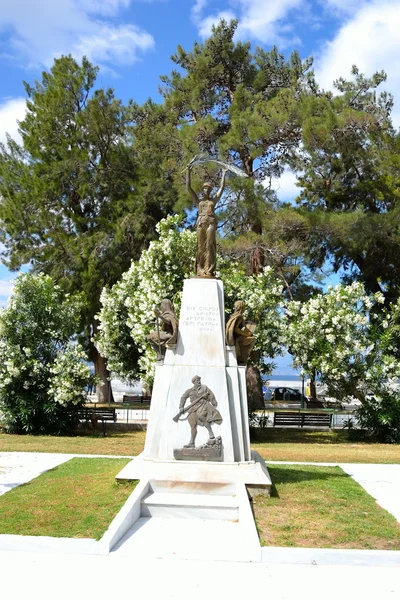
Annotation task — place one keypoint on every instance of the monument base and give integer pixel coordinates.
(210, 483)
(253, 473)
(206, 452)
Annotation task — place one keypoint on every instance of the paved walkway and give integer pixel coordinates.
(288, 574)
(67, 577)
(17, 468)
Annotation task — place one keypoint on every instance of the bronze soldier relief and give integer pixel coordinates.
(201, 412)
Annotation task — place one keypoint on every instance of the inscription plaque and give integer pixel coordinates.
(201, 318)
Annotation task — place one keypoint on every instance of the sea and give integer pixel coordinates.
(120, 388)
(277, 380)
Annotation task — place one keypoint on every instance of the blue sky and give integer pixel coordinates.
(132, 41)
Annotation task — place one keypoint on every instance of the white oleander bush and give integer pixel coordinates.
(42, 369)
(343, 337)
(127, 314)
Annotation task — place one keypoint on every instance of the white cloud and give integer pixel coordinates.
(262, 20)
(39, 30)
(341, 7)
(6, 287)
(285, 186)
(198, 8)
(104, 7)
(205, 25)
(11, 111)
(115, 43)
(369, 39)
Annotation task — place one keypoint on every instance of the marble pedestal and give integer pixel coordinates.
(179, 483)
(201, 351)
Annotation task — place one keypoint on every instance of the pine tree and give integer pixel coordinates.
(72, 202)
(241, 106)
(351, 181)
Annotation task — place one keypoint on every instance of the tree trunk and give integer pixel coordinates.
(103, 390)
(313, 389)
(257, 260)
(253, 376)
(254, 388)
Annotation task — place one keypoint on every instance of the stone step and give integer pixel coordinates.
(194, 487)
(190, 506)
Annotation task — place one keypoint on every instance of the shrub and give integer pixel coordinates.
(379, 416)
(42, 373)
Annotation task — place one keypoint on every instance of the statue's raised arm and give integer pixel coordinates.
(221, 187)
(189, 188)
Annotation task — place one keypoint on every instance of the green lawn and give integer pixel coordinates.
(118, 443)
(77, 499)
(322, 507)
(273, 444)
(311, 506)
(296, 445)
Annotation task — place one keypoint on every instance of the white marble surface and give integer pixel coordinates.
(253, 472)
(236, 413)
(194, 523)
(201, 338)
(159, 400)
(245, 411)
(186, 539)
(200, 350)
(46, 576)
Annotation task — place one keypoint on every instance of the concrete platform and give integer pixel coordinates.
(194, 539)
(47, 576)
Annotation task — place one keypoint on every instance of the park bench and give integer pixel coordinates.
(300, 419)
(130, 398)
(94, 415)
(315, 404)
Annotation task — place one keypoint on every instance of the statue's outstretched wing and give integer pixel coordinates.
(201, 159)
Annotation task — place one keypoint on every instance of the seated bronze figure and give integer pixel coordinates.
(166, 333)
(240, 334)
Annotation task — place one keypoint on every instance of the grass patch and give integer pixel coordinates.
(293, 445)
(296, 445)
(117, 443)
(322, 507)
(77, 499)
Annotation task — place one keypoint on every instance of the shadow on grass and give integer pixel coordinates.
(94, 433)
(274, 492)
(288, 475)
